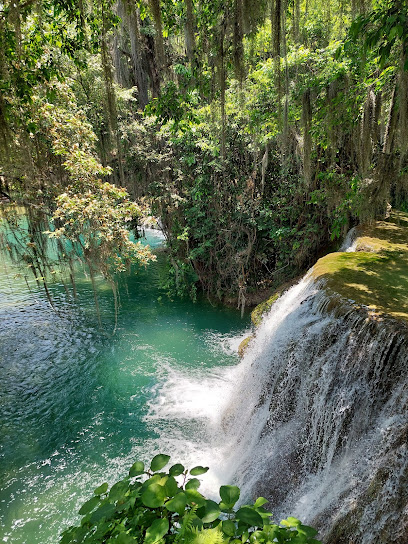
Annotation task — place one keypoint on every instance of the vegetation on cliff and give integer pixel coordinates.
(376, 274)
(257, 132)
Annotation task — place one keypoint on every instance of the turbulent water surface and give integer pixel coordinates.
(79, 404)
(315, 416)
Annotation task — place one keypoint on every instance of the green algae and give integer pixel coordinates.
(259, 311)
(376, 275)
(243, 346)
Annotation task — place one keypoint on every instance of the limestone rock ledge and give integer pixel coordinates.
(375, 276)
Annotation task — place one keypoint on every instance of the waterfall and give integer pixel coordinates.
(314, 418)
(318, 419)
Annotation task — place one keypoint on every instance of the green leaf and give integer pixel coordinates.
(118, 490)
(210, 511)
(197, 471)
(250, 516)
(260, 501)
(194, 496)
(154, 496)
(158, 462)
(157, 530)
(178, 503)
(104, 511)
(176, 470)
(194, 483)
(171, 486)
(290, 522)
(101, 489)
(228, 527)
(124, 538)
(155, 479)
(229, 495)
(136, 469)
(88, 506)
(306, 530)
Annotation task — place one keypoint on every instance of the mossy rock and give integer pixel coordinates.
(376, 274)
(259, 311)
(244, 345)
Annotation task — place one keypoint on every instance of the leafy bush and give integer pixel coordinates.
(151, 506)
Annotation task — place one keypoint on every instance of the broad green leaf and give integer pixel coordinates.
(154, 496)
(159, 461)
(194, 483)
(136, 469)
(197, 471)
(197, 522)
(118, 490)
(306, 530)
(124, 538)
(157, 530)
(193, 496)
(88, 506)
(260, 501)
(228, 527)
(171, 486)
(210, 511)
(178, 503)
(101, 489)
(290, 522)
(104, 511)
(229, 495)
(176, 470)
(250, 516)
(155, 479)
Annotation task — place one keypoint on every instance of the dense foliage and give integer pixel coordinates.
(258, 132)
(155, 506)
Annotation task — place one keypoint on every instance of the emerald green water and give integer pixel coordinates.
(78, 404)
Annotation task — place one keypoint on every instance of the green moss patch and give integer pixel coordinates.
(376, 275)
(259, 311)
(244, 345)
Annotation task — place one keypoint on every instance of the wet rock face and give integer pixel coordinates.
(324, 427)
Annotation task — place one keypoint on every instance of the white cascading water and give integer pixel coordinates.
(314, 418)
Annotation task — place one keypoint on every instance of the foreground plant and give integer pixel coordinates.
(151, 506)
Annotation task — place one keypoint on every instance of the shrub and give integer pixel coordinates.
(151, 506)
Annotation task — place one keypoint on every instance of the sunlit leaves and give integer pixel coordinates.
(161, 509)
(101, 489)
(176, 470)
(89, 505)
(158, 462)
(136, 469)
(229, 495)
(250, 516)
(197, 471)
(157, 530)
(154, 496)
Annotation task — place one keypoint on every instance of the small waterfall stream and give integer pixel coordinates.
(321, 415)
(315, 418)
(319, 421)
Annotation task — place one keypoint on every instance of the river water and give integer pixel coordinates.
(78, 404)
